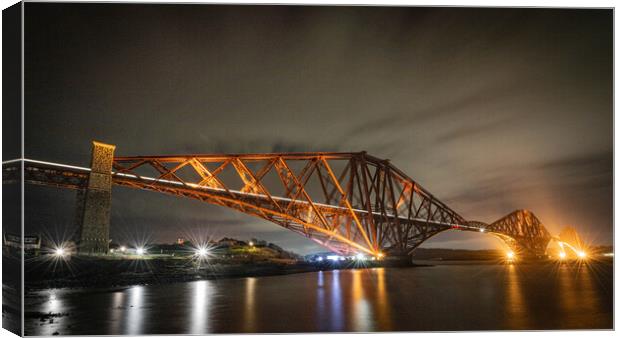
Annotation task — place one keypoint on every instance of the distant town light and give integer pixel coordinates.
(140, 251)
(360, 257)
(202, 252)
(60, 252)
(332, 257)
(111, 250)
(123, 249)
(562, 255)
(251, 243)
(380, 255)
(510, 255)
(581, 254)
(320, 259)
(481, 229)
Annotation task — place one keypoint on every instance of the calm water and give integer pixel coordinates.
(443, 297)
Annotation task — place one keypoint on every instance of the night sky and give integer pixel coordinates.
(491, 110)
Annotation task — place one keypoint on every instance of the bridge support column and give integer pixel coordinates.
(94, 202)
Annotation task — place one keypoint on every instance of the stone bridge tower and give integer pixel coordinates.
(93, 209)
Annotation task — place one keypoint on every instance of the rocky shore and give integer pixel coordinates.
(101, 272)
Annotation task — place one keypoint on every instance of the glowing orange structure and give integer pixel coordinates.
(348, 202)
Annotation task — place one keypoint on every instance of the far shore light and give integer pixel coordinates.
(60, 252)
(202, 252)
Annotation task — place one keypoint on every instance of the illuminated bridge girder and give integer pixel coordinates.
(348, 202)
(521, 230)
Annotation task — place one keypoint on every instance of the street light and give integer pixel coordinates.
(60, 252)
(202, 252)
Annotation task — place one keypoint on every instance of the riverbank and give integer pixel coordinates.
(82, 272)
(101, 272)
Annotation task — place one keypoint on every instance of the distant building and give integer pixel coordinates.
(228, 242)
(32, 243)
(258, 242)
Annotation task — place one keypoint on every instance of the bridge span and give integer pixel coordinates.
(347, 202)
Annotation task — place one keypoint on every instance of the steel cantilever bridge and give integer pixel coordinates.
(348, 202)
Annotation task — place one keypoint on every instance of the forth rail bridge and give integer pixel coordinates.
(351, 203)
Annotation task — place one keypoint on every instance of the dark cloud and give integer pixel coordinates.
(490, 109)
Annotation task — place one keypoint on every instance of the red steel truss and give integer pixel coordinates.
(520, 230)
(348, 202)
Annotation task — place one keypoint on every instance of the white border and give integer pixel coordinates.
(476, 3)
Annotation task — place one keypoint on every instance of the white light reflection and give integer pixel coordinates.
(54, 306)
(336, 319)
(118, 312)
(320, 299)
(202, 292)
(135, 315)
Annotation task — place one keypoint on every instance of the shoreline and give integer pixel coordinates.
(97, 273)
(102, 273)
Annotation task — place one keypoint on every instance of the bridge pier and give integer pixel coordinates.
(94, 202)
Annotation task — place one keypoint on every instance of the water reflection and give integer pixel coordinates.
(135, 313)
(578, 286)
(383, 299)
(118, 312)
(589, 298)
(362, 316)
(516, 306)
(250, 311)
(337, 314)
(320, 299)
(200, 307)
(53, 304)
(382, 302)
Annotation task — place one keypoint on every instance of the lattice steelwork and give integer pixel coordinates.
(523, 229)
(348, 202)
